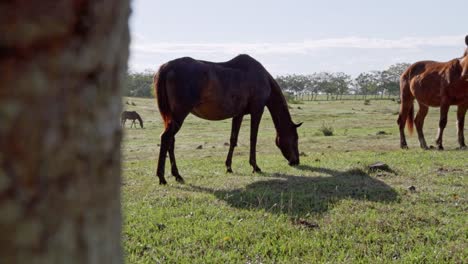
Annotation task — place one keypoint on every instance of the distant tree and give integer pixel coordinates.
(393, 74)
(139, 84)
(366, 83)
(342, 83)
(314, 84)
(325, 84)
(294, 84)
(335, 85)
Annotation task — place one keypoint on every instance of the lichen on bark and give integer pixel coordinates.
(61, 66)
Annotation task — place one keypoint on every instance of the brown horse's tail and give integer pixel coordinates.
(410, 120)
(161, 95)
(122, 116)
(404, 89)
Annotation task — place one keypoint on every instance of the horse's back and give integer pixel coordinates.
(215, 90)
(130, 115)
(429, 81)
(184, 79)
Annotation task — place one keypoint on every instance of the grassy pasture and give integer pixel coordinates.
(330, 209)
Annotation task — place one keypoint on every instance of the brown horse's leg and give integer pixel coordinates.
(162, 154)
(167, 145)
(419, 122)
(461, 112)
(254, 124)
(444, 108)
(174, 170)
(236, 124)
(405, 108)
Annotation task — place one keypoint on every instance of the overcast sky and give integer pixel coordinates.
(298, 36)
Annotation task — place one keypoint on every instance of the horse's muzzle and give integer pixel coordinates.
(294, 163)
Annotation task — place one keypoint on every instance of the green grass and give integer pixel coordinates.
(330, 209)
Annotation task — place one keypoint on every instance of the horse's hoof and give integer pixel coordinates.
(180, 180)
(462, 148)
(440, 147)
(175, 173)
(162, 182)
(256, 170)
(404, 146)
(228, 170)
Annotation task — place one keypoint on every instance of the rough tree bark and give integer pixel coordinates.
(61, 65)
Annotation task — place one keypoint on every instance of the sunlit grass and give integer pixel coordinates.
(330, 209)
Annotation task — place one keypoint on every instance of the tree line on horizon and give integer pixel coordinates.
(332, 84)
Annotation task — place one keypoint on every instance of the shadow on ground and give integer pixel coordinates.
(300, 195)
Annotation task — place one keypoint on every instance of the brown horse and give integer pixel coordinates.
(437, 84)
(131, 115)
(217, 91)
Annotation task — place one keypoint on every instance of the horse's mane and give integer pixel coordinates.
(466, 42)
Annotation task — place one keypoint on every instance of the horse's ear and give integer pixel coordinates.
(298, 125)
(466, 40)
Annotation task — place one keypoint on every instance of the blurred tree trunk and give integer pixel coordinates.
(61, 65)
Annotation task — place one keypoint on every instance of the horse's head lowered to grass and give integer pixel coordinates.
(287, 143)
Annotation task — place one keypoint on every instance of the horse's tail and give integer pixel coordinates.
(161, 95)
(404, 89)
(410, 119)
(123, 117)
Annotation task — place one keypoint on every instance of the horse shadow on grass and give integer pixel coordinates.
(302, 195)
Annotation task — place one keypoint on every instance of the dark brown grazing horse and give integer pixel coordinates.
(217, 91)
(437, 84)
(131, 115)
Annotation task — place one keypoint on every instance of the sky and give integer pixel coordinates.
(298, 36)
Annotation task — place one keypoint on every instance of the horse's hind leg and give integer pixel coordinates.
(175, 172)
(461, 112)
(167, 145)
(405, 109)
(444, 108)
(419, 122)
(236, 124)
(165, 141)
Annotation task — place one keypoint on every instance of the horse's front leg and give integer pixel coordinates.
(461, 112)
(444, 108)
(254, 124)
(236, 124)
